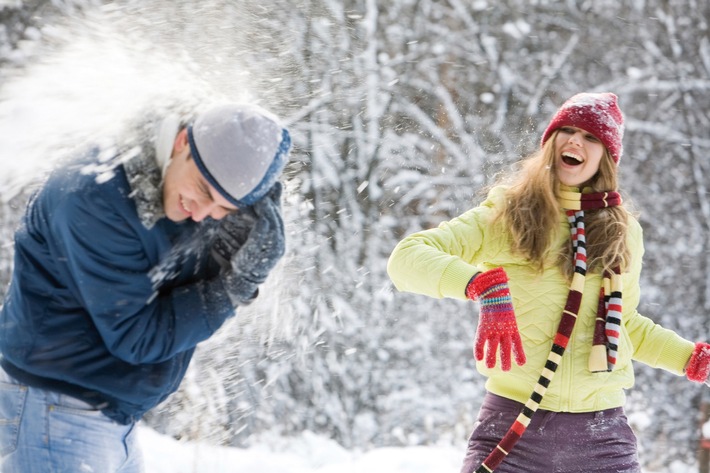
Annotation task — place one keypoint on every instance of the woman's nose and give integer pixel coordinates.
(576, 138)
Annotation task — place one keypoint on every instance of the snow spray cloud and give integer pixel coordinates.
(94, 72)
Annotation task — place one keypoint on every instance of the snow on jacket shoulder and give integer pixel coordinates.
(439, 262)
(100, 302)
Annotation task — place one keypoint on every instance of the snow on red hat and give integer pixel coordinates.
(598, 114)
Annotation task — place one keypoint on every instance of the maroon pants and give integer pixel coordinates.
(554, 442)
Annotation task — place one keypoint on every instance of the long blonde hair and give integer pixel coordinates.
(532, 215)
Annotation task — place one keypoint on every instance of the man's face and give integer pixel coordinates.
(186, 193)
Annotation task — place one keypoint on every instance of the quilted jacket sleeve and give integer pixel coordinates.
(109, 274)
(653, 345)
(440, 262)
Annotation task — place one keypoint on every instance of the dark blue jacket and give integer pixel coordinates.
(103, 305)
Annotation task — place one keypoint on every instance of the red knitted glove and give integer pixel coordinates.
(496, 322)
(698, 367)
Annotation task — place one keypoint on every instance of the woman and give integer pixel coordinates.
(553, 258)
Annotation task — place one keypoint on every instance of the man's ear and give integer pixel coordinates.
(181, 141)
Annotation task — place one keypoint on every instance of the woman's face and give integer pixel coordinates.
(578, 154)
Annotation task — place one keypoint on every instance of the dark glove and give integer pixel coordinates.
(232, 233)
(496, 322)
(698, 367)
(263, 248)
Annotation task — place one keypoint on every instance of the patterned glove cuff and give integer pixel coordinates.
(698, 367)
(484, 281)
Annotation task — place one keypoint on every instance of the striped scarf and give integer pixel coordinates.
(607, 324)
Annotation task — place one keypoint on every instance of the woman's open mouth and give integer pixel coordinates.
(571, 159)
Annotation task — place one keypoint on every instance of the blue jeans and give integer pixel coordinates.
(46, 432)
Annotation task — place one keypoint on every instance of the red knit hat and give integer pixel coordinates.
(598, 114)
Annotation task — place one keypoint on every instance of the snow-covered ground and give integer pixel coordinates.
(307, 453)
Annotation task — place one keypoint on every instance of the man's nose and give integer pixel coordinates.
(219, 213)
(209, 209)
(203, 210)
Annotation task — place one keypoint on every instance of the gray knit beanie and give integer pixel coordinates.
(240, 149)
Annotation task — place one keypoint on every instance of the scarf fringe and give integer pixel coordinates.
(607, 329)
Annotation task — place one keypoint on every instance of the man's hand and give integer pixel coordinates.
(266, 242)
(263, 248)
(232, 233)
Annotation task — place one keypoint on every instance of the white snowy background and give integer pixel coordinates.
(401, 112)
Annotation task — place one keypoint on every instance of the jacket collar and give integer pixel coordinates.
(145, 179)
(146, 169)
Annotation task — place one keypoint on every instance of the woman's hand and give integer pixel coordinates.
(698, 367)
(496, 322)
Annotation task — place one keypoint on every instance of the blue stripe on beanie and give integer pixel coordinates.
(203, 169)
(272, 174)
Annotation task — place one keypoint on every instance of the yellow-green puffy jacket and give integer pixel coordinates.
(440, 262)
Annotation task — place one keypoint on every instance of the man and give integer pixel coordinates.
(120, 271)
